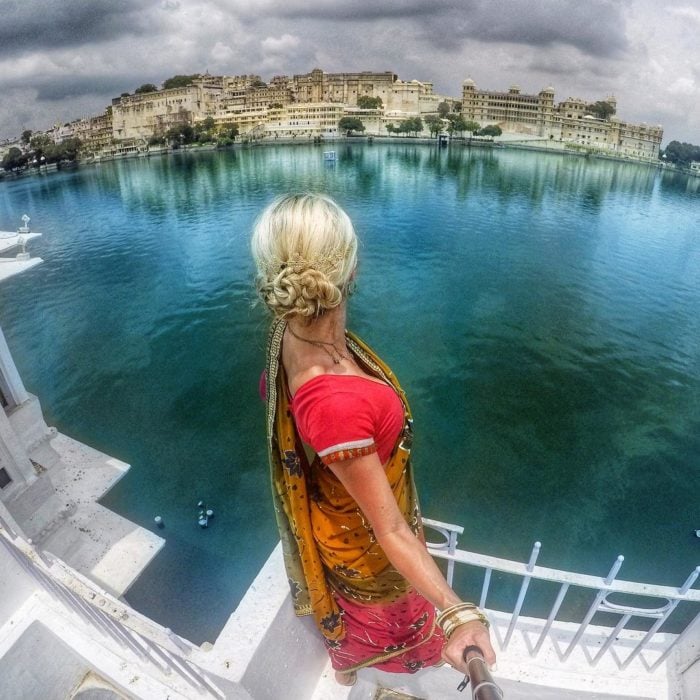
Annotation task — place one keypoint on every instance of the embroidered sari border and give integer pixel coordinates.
(351, 453)
(350, 445)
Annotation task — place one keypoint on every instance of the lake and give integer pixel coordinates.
(541, 311)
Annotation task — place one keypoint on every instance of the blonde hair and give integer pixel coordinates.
(305, 250)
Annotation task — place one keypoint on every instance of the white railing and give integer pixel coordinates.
(131, 631)
(668, 597)
(168, 653)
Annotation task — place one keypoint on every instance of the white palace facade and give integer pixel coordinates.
(569, 121)
(310, 105)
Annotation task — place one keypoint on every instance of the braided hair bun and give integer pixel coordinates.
(305, 250)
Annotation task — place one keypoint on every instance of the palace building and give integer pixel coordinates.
(311, 104)
(571, 121)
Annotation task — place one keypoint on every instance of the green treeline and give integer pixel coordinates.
(682, 153)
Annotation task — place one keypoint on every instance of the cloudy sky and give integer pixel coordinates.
(62, 59)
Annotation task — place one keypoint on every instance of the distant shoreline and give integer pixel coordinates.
(464, 143)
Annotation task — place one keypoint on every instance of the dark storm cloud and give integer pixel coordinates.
(363, 11)
(595, 27)
(79, 86)
(34, 25)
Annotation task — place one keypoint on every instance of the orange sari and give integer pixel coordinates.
(330, 551)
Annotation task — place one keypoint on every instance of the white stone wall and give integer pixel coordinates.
(38, 666)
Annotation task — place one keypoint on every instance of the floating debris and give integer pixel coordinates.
(204, 514)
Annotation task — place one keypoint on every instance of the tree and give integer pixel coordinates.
(67, 150)
(26, 136)
(601, 109)
(14, 158)
(367, 102)
(146, 87)
(682, 153)
(491, 130)
(472, 126)
(178, 81)
(207, 124)
(41, 144)
(434, 124)
(443, 109)
(457, 124)
(227, 136)
(348, 124)
(180, 134)
(390, 128)
(412, 125)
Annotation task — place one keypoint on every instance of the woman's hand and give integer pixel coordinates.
(470, 634)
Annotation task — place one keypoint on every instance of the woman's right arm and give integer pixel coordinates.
(366, 482)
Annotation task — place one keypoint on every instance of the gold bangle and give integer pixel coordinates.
(447, 612)
(458, 615)
(453, 623)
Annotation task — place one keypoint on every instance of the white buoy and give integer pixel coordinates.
(697, 533)
(159, 521)
(210, 513)
(203, 522)
(200, 504)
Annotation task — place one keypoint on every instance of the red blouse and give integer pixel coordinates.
(346, 416)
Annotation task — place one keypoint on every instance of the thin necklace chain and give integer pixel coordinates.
(336, 355)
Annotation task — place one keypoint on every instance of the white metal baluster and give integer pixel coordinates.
(449, 545)
(45, 581)
(168, 668)
(485, 588)
(102, 621)
(178, 641)
(142, 643)
(451, 549)
(192, 676)
(685, 633)
(176, 664)
(653, 629)
(523, 592)
(197, 673)
(594, 606)
(690, 581)
(611, 638)
(61, 594)
(552, 616)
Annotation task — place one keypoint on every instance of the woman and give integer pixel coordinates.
(339, 437)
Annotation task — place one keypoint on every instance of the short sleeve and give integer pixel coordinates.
(336, 424)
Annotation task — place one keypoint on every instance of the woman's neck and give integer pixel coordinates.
(327, 328)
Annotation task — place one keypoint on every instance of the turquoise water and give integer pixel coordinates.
(540, 310)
